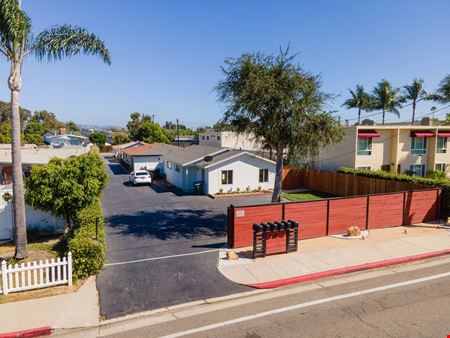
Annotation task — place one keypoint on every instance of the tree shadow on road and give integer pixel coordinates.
(170, 224)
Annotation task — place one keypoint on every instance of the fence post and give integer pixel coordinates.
(283, 212)
(404, 207)
(69, 269)
(328, 216)
(438, 204)
(367, 212)
(4, 278)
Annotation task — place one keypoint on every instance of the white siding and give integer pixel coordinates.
(146, 162)
(172, 176)
(245, 174)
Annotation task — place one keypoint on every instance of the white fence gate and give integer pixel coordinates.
(35, 275)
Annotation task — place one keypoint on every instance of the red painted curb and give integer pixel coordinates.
(348, 269)
(37, 332)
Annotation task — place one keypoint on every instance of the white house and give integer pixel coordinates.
(218, 169)
(119, 148)
(147, 156)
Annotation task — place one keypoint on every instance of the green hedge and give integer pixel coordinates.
(443, 183)
(88, 253)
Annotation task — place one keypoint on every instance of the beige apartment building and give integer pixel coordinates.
(394, 148)
(228, 139)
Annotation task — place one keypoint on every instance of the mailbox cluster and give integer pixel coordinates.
(264, 232)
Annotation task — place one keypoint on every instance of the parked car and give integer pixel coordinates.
(140, 177)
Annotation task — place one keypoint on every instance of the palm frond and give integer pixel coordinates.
(15, 27)
(65, 41)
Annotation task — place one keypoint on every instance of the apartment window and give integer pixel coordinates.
(207, 137)
(218, 138)
(169, 165)
(227, 176)
(386, 167)
(203, 137)
(364, 146)
(418, 145)
(263, 175)
(440, 167)
(364, 167)
(417, 169)
(441, 146)
(177, 167)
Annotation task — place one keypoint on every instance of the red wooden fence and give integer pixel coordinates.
(334, 215)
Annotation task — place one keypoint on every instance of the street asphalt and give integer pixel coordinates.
(146, 222)
(405, 301)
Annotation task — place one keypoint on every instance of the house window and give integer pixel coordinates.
(417, 169)
(441, 146)
(364, 167)
(418, 145)
(440, 167)
(177, 167)
(169, 165)
(364, 146)
(263, 175)
(227, 176)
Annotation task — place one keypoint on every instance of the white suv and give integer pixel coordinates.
(140, 177)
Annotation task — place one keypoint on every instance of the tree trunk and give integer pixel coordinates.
(384, 112)
(414, 113)
(15, 84)
(359, 116)
(276, 196)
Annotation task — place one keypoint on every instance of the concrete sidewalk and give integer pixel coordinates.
(70, 310)
(328, 256)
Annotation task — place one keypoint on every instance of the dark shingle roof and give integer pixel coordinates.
(218, 158)
(188, 154)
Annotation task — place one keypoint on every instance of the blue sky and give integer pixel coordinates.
(166, 55)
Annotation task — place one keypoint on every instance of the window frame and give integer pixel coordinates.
(368, 150)
(441, 150)
(169, 165)
(418, 151)
(177, 168)
(226, 178)
(444, 169)
(263, 175)
(413, 172)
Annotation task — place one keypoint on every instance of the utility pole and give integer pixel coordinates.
(178, 135)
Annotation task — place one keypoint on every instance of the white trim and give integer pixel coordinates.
(237, 155)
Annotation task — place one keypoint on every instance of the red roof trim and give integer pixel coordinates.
(443, 134)
(421, 133)
(368, 133)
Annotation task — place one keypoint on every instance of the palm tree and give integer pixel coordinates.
(415, 93)
(386, 98)
(17, 42)
(442, 94)
(360, 99)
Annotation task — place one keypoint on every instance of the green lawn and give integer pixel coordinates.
(306, 195)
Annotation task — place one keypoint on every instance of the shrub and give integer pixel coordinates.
(443, 183)
(88, 254)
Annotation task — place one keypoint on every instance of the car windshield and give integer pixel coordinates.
(141, 173)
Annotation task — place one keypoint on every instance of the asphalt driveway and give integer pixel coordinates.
(145, 225)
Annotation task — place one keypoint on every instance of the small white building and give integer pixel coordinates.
(119, 148)
(147, 156)
(218, 170)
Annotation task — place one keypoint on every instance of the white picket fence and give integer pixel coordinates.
(35, 275)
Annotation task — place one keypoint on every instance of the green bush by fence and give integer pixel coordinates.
(443, 183)
(88, 253)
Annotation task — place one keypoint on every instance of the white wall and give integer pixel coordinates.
(339, 155)
(35, 219)
(172, 176)
(146, 162)
(245, 174)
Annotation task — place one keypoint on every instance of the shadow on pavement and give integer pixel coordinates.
(170, 224)
(117, 169)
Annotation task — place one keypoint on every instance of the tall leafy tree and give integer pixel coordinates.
(387, 99)
(151, 133)
(16, 43)
(414, 92)
(99, 138)
(359, 100)
(272, 97)
(442, 94)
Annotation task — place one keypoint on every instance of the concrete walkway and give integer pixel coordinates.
(327, 256)
(70, 310)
